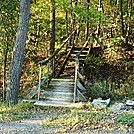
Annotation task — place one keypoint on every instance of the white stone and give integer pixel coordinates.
(101, 103)
(130, 103)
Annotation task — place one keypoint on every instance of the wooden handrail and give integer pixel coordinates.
(77, 74)
(97, 39)
(77, 70)
(43, 62)
(64, 62)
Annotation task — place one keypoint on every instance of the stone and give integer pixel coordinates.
(130, 103)
(116, 107)
(101, 103)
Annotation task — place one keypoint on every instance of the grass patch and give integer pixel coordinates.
(20, 111)
(76, 119)
(126, 119)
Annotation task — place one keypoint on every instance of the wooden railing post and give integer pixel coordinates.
(48, 69)
(76, 76)
(40, 66)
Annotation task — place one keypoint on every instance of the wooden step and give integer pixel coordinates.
(73, 63)
(59, 89)
(69, 74)
(79, 48)
(77, 51)
(57, 96)
(82, 55)
(52, 103)
(69, 67)
(73, 58)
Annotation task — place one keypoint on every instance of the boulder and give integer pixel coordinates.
(116, 107)
(100, 103)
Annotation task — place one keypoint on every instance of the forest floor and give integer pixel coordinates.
(29, 119)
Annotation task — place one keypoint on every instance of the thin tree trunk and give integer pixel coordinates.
(18, 53)
(52, 27)
(121, 18)
(67, 28)
(87, 23)
(99, 27)
(71, 27)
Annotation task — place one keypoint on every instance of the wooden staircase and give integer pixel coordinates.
(61, 90)
(66, 88)
(59, 93)
(69, 68)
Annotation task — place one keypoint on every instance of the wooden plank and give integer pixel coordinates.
(52, 103)
(80, 76)
(97, 39)
(80, 86)
(32, 100)
(81, 96)
(33, 92)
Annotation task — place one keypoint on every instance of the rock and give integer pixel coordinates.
(101, 103)
(130, 103)
(117, 107)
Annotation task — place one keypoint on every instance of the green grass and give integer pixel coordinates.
(20, 111)
(126, 119)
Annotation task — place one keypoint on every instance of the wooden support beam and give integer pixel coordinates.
(33, 92)
(81, 96)
(97, 39)
(80, 76)
(80, 86)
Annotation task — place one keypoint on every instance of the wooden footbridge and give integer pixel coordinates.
(66, 88)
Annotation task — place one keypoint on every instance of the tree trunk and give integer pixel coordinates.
(5, 53)
(71, 30)
(18, 53)
(121, 18)
(99, 27)
(67, 28)
(52, 28)
(87, 23)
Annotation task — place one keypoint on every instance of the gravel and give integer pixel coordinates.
(31, 126)
(34, 126)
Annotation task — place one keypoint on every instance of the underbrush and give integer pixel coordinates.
(111, 74)
(105, 89)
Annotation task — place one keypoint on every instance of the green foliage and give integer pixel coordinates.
(94, 62)
(115, 41)
(20, 111)
(98, 89)
(8, 20)
(103, 89)
(126, 119)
